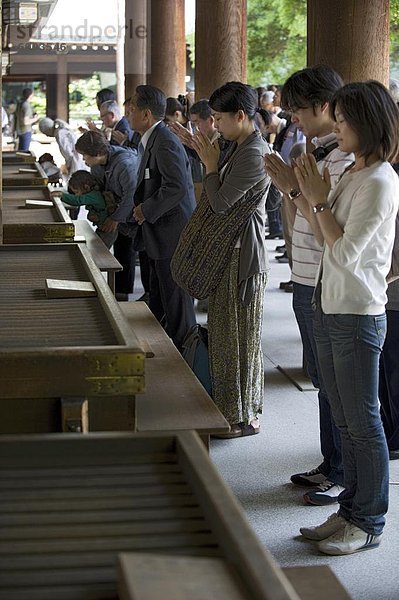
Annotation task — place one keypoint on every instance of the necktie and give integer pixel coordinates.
(140, 151)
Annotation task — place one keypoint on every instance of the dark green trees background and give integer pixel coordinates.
(277, 39)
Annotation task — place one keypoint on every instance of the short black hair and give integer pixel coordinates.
(373, 114)
(82, 178)
(46, 157)
(173, 105)
(151, 97)
(266, 115)
(93, 143)
(201, 108)
(26, 93)
(310, 87)
(235, 96)
(104, 95)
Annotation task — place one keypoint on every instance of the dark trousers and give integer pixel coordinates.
(274, 221)
(24, 141)
(144, 270)
(171, 305)
(389, 381)
(126, 255)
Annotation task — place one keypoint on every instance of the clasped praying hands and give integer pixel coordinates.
(280, 173)
(209, 153)
(313, 186)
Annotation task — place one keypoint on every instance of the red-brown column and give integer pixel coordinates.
(220, 44)
(62, 88)
(168, 47)
(136, 40)
(352, 36)
(1, 161)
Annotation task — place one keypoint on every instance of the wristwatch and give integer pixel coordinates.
(320, 207)
(294, 194)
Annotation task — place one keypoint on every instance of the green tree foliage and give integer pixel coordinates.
(82, 93)
(276, 39)
(394, 38)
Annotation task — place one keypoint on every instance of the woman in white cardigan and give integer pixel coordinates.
(357, 223)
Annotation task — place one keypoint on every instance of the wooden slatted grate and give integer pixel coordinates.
(29, 318)
(66, 514)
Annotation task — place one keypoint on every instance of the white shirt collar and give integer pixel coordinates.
(146, 136)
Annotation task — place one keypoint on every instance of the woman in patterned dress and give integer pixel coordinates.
(236, 305)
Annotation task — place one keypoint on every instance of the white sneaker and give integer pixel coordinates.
(348, 540)
(333, 524)
(325, 493)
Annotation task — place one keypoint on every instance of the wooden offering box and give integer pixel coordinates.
(35, 193)
(62, 347)
(23, 175)
(18, 157)
(28, 220)
(70, 504)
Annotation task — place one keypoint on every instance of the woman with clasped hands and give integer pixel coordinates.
(236, 305)
(357, 222)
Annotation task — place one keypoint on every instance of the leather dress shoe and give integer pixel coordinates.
(275, 236)
(282, 258)
(122, 297)
(393, 454)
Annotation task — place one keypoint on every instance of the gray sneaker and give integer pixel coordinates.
(333, 524)
(348, 540)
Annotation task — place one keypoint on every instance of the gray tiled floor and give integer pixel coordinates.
(258, 468)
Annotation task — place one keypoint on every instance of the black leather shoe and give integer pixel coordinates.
(274, 236)
(393, 454)
(121, 297)
(282, 258)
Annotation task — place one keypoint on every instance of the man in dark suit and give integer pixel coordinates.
(114, 121)
(164, 201)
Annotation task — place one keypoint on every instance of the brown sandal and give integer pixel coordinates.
(235, 432)
(249, 430)
(239, 430)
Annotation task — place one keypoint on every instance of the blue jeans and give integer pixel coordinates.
(349, 348)
(330, 437)
(24, 141)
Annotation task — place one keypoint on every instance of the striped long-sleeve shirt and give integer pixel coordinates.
(306, 251)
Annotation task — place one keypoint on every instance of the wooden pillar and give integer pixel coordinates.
(1, 144)
(120, 54)
(220, 44)
(168, 47)
(136, 41)
(352, 36)
(51, 95)
(62, 88)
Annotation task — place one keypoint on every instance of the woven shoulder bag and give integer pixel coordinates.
(207, 242)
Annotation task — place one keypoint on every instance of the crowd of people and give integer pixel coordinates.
(242, 158)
